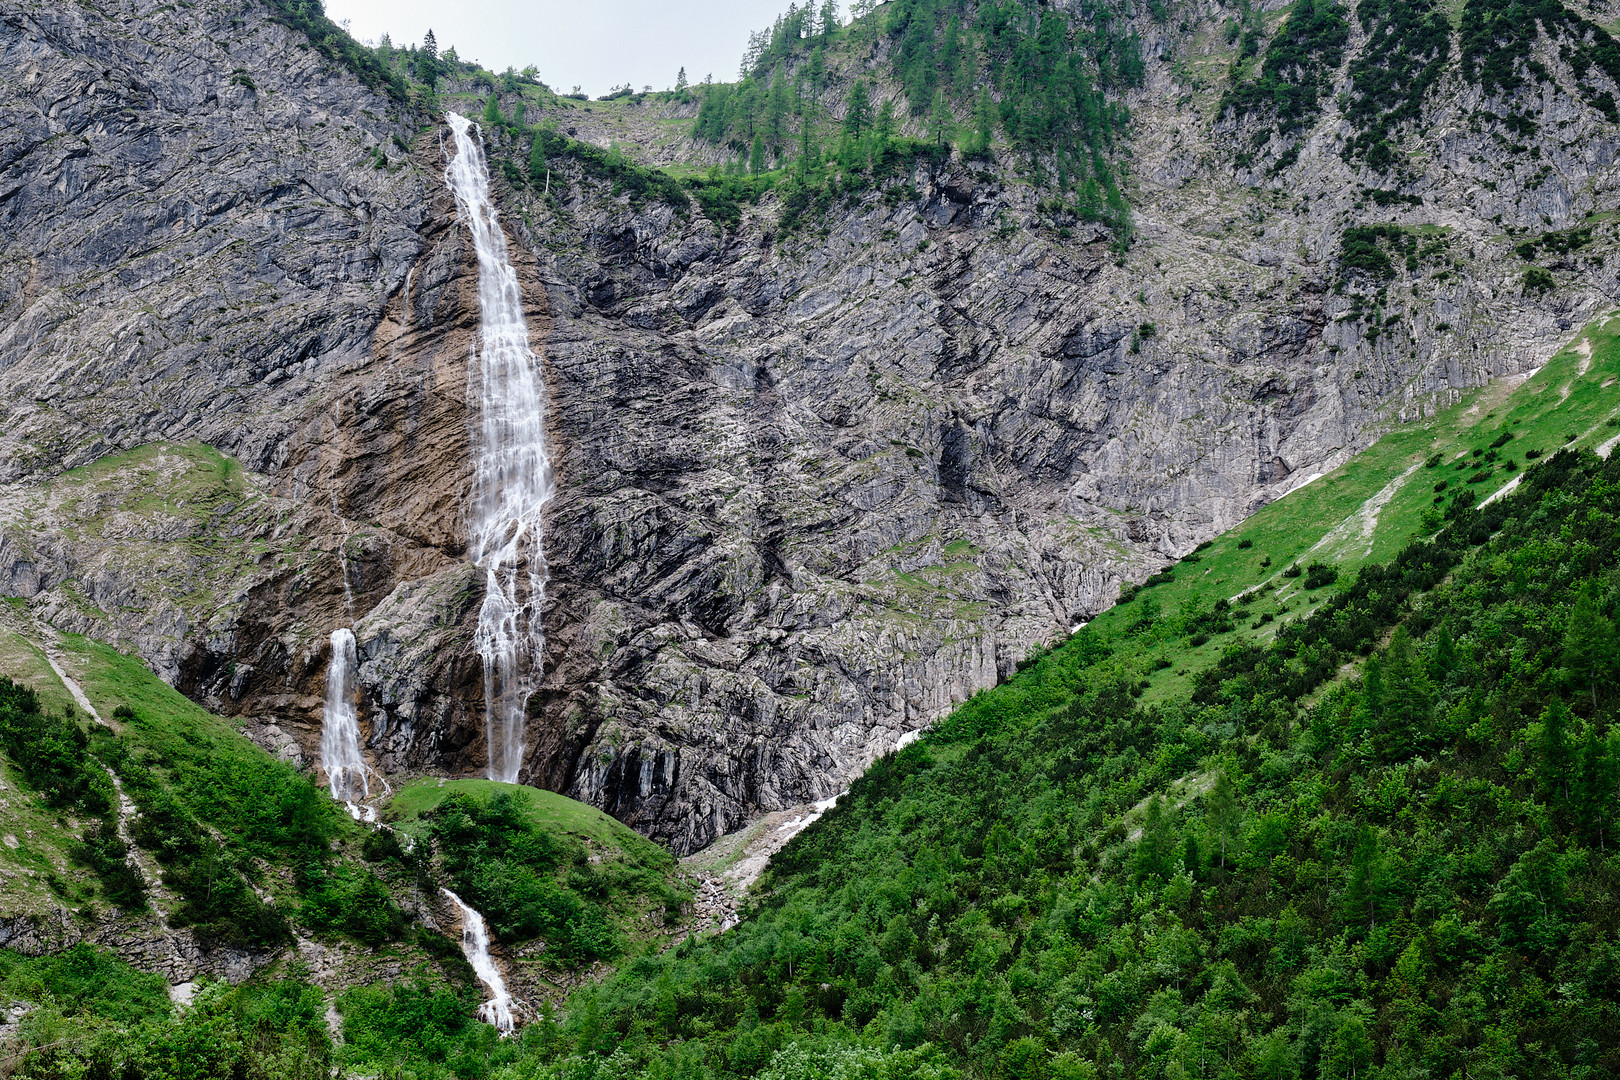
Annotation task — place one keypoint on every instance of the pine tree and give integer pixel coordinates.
(1367, 892)
(777, 111)
(829, 19)
(492, 113)
(984, 123)
(950, 56)
(1155, 854)
(1407, 700)
(680, 80)
(807, 140)
(884, 126)
(756, 155)
(1443, 657)
(1593, 786)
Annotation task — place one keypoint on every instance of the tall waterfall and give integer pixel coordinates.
(475, 944)
(340, 725)
(511, 473)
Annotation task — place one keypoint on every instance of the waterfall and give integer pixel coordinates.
(475, 944)
(340, 726)
(511, 473)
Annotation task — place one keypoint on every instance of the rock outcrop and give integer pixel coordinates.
(816, 486)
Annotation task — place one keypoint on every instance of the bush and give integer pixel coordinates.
(1538, 280)
(1319, 574)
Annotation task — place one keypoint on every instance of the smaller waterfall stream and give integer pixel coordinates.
(475, 943)
(340, 727)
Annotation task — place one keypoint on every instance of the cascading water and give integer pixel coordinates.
(340, 726)
(511, 473)
(475, 944)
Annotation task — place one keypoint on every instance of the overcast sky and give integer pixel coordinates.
(596, 44)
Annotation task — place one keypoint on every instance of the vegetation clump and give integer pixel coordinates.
(1409, 43)
(1294, 74)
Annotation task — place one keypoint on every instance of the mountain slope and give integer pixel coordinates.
(1378, 842)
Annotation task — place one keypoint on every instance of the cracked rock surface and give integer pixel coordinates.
(815, 486)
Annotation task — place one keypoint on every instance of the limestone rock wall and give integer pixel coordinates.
(816, 486)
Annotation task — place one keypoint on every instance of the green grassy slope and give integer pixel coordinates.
(1367, 510)
(546, 809)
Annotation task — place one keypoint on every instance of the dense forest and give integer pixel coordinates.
(1042, 82)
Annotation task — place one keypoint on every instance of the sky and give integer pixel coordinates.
(594, 44)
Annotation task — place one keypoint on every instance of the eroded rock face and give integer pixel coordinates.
(816, 487)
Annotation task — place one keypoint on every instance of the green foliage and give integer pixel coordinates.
(1364, 249)
(51, 752)
(526, 882)
(1409, 43)
(1297, 69)
(85, 980)
(213, 807)
(1538, 280)
(1499, 38)
(351, 900)
(639, 183)
(333, 42)
(414, 1023)
(1288, 872)
(121, 1025)
(1038, 75)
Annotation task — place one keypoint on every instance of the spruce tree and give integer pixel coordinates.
(427, 62)
(492, 113)
(1553, 758)
(1591, 646)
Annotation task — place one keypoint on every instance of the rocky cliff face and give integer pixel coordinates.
(816, 487)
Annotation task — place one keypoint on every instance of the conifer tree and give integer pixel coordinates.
(492, 113)
(1593, 786)
(1591, 646)
(984, 123)
(1553, 759)
(427, 62)
(1155, 854)
(829, 19)
(858, 113)
(756, 155)
(1367, 892)
(1445, 655)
